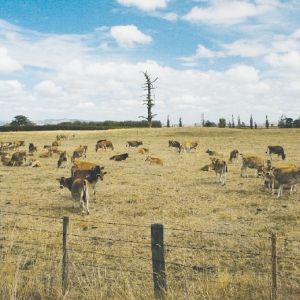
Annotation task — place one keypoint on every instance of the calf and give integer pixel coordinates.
(275, 150)
(133, 144)
(220, 169)
(234, 156)
(119, 157)
(155, 160)
(80, 189)
(252, 162)
(64, 160)
(92, 176)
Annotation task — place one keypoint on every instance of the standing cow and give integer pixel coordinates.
(275, 150)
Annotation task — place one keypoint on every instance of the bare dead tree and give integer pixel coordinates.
(148, 86)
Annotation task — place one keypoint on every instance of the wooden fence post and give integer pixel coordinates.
(65, 262)
(0, 227)
(274, 266)
(158, 261)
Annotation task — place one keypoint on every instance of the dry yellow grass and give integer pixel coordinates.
(223, 230)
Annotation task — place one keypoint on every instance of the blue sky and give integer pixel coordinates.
(85, 59)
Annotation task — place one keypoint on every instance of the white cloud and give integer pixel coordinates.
(225, 12)
(7, 64)
(129, 35)
(202, 52)
(246, 48)
(48, 89)
(289, 60)
(145, 5)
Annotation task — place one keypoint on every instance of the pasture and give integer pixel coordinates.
(217, 238)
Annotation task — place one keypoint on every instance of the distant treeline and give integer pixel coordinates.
(80, 125)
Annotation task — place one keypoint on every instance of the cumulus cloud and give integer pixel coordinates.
(224, 12)
(202, 52)
(146, 5)
(47, 88)
(129, 35)
(7, 64)
(246, 48)
(289, 60)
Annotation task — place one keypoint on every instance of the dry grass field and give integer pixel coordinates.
(217, 238)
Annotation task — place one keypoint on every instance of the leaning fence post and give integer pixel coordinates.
(274, 266)
(65, 261)
(158, 260)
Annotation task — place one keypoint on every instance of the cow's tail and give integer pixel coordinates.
(84, 191)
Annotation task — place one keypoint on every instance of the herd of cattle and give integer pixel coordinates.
(85, 175)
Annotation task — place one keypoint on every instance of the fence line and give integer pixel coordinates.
(157, 248)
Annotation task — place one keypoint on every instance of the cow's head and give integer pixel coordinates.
(99, 172)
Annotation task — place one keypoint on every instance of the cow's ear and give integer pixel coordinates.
(101, 168)
(104, 172)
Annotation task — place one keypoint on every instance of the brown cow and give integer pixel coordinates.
(80, 152)
(46, 154)
(31, 148)
(92, 176)
(187, 146)
(56, 143)
(234, 156)
(208, 167)
(133, 144)
(64, 160)
(18, 158)
(214, 153)
(119, 157)
(220, 169)
(143, 150)
(252, 162)
(155, 160)
(104, 144)
(80, 189)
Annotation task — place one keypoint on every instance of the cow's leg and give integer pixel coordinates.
(280, 188)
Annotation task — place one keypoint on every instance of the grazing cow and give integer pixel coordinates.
(80, 152)
(143, 150)
(56, 143)
(155, 160)
(234, 156)
(119, 157)
(174, 144)
(104, 144)
(46, 154)
(286, 175)
(31, 148)
(134, 143)
(80, 189)
(187, 146)
(275, 150)
(209, 167)
(64, 160)
(214, 153)
(220, 169)
(17, 144)
(34, 163)
(269, 179)
(252, 162)
(92, 176)
(18, 158)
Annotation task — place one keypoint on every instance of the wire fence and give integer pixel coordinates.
(111, 256)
